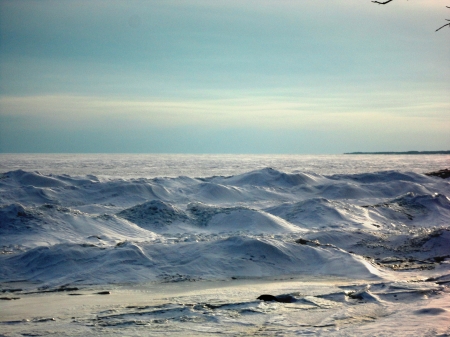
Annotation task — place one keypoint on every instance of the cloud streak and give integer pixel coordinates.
(337, 111)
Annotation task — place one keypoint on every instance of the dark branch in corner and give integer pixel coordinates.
(447, 24)
(388, 1)
(382, 3)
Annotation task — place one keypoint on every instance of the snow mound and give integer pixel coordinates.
(35, 179)
(428, 210)
(269, 177)
(231, 257)
(219, 193)
(346, 190)
(382, 176)
(62, 229)
(432, 203)
(248, 257)
(11, 213)
(320, 212)
(20, 226)
(79, 263)
(348, 240)
(235, 219)
(48, 224)
(154, 213)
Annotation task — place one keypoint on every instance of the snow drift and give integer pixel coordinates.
(60, 229)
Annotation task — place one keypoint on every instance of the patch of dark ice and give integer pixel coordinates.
(430, 311)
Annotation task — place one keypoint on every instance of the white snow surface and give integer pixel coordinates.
(370, 230)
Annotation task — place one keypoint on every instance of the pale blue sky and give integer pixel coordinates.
(213, 76)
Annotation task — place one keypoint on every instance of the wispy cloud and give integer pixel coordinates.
(332, 111)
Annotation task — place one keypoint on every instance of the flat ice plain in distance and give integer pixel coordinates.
(183, 245)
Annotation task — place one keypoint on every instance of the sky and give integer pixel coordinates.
(216, 76)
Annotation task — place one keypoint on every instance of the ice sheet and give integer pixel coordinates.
(363, 248)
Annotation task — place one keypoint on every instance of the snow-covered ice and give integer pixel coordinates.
(359, 252)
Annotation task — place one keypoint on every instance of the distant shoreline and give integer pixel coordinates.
(407, 152)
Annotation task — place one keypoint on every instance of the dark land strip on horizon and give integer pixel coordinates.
(406, 152)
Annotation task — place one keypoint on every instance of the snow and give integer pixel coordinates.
(355, 251)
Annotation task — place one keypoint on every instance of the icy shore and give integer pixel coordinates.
(383, 237)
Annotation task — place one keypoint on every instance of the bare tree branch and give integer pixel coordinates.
(447, 24)
(388, 1)
(382, 3)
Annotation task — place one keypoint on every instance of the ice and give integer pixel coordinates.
(353, 251)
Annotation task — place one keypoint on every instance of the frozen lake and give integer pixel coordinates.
(174, 165)
(345, 245)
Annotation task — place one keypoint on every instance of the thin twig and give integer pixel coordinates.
(447, 24)
(382, 3)
(388, 1)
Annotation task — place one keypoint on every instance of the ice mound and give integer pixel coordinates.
(21, 227)
(428, 210)
(219, 193)
(348, 240)
(128, 262)
(62, 229)
(432, 244)
(345, 190)
(269, 177)
(375, 185)
(154, 213)
(320, 213)
(35, 179)
(363, 294)
(11, 213)
(250, 220)
(383, 176)
(247, 257)
(31, 195)
(133, 188)
(432, 203)
(235, 219)
(48, 224)
(79, 263)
